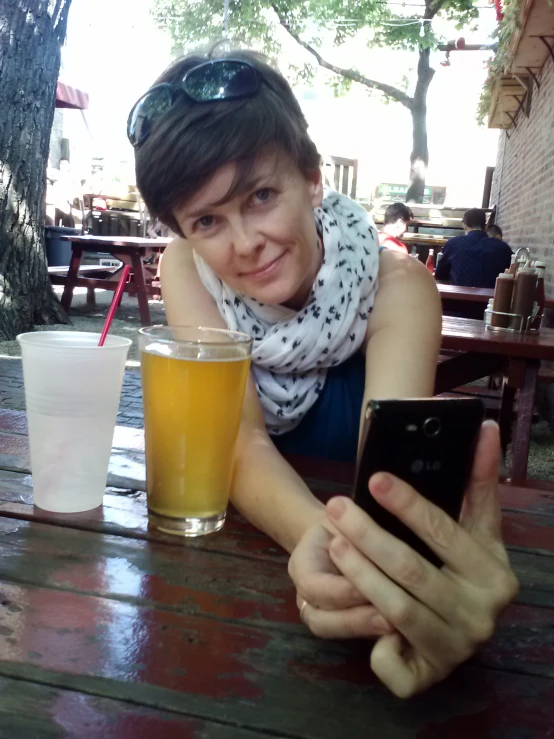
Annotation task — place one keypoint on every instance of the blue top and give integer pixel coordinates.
(473, 260)
(329, 430)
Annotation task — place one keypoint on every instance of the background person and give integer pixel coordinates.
(474, 259)
(395, 223)
(262, 249)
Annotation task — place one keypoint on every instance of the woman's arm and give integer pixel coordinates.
(403, 332)
(265, 487)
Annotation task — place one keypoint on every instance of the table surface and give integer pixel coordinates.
(110, 629)
(89, 240)
(470, 335)
(416, 238)
(472, 294)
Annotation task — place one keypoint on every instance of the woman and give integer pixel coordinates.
(224, 159)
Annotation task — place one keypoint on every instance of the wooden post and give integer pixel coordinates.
(488, 187)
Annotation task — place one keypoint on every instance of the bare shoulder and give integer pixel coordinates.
(399, 271)
(407, 294)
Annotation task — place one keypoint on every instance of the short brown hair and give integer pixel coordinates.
(193, 140)
(396, 211)
(475, 218)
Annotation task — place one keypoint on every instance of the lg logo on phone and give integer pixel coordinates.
(418, 465)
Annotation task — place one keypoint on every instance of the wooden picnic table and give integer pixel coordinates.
(110, 629)
(451, 224)
(429, 240)
(482, 352)
(131, 250)
(456, 297)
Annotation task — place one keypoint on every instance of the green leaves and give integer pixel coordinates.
(260, 24)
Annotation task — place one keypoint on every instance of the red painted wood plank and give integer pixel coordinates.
(539, 498)
(528, 531)
(469, 335)
(185, 580)
(268, 681)
(181, 577)
(30, 710)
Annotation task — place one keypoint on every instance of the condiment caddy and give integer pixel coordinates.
(519, 298)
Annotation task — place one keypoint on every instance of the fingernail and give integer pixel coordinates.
(339, 546)
(336, 507)
(381, 483)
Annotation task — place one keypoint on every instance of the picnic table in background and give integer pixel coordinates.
(129, 250)
(111, 629)
(456, 297)
(480, 352)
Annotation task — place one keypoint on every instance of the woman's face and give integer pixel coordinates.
(263, 242)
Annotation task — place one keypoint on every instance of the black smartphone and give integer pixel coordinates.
(429, 444)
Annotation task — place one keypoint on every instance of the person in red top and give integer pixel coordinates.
(395, 224)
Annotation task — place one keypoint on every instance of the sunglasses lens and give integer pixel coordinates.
(148, 109)
(221, 80)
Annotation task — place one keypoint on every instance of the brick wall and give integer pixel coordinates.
(523, 185)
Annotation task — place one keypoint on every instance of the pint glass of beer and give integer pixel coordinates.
(193, 383)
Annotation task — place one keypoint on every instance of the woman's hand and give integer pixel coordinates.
(440, 617)
(329, 604)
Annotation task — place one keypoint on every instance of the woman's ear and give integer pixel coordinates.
(315, 184)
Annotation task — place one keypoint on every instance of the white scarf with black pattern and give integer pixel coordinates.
(293, 349)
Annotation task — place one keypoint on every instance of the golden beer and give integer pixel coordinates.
(193, 394)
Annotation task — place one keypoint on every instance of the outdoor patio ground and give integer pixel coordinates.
(127, 323)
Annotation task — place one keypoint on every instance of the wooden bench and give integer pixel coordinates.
(88, 277)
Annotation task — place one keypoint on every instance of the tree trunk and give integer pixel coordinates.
(31, 34)
(419, 158)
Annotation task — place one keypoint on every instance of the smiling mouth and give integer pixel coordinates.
(265, 269)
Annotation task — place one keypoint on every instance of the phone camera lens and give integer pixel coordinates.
(431, 427)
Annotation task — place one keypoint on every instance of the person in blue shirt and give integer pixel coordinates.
(475, 259)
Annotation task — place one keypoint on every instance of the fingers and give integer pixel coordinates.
(455, 546)
(316, 578)
(328, 592)
(433, 638)
(403, 565)
(481, 513)
(404, 672)
(360, 622)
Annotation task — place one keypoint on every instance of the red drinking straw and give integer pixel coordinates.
(115, 302)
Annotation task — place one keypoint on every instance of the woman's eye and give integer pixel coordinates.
(205, 222)
(263, 195)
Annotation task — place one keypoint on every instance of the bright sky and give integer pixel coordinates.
(114, 51)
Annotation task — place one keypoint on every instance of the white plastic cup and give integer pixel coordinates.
(72, 391)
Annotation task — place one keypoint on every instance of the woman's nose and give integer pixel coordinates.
(246, 240)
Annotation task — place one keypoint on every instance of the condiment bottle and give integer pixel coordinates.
(430, 263)
(513, 265)
(540, 296)
(502, 301)
(525, 288)
(414, 253)
(439, 257)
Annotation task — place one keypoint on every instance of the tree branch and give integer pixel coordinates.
(350, 74)
(431, 9)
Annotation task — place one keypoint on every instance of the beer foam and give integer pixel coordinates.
(196, 353)
(159, 347)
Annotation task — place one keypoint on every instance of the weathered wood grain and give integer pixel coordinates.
(33, 711)
(233, 591)
(107, 624)
(269, 682)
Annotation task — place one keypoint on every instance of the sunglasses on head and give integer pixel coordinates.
(220, 79)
